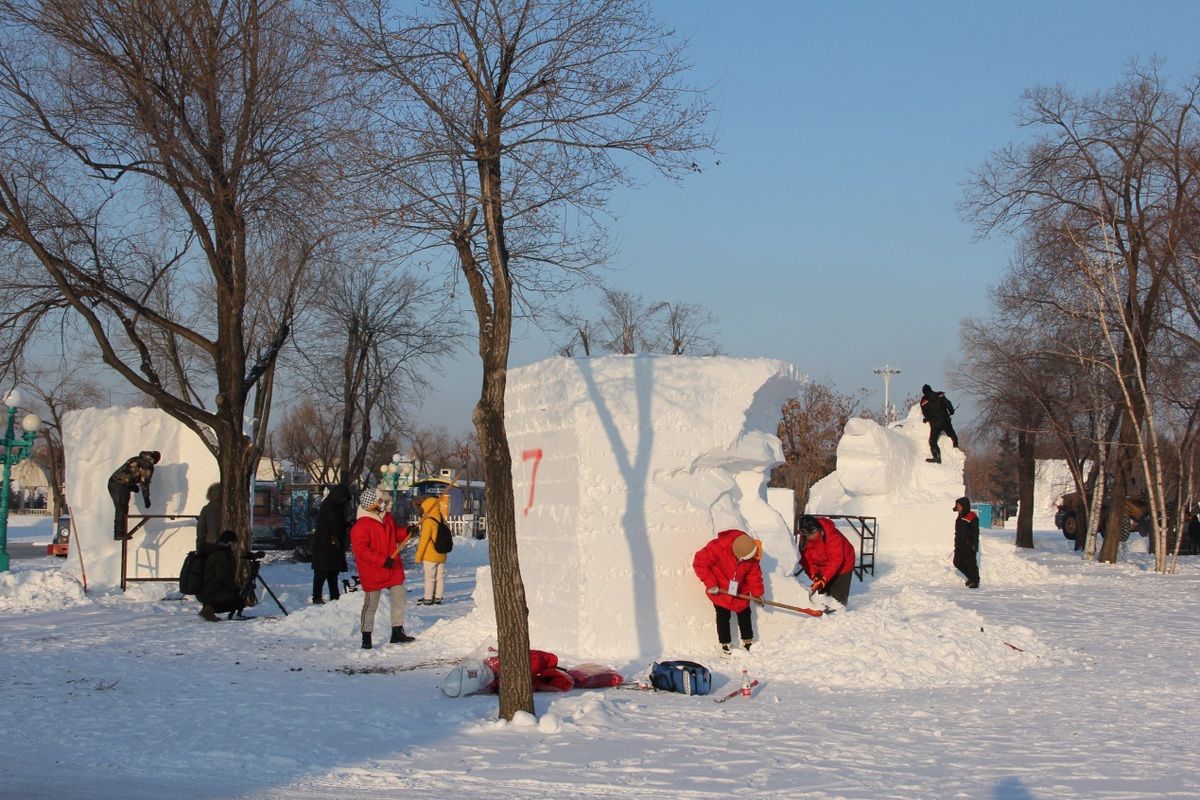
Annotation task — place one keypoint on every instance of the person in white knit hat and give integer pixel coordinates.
(376, 540)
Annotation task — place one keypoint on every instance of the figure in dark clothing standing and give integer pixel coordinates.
(966, 542)
(134, 475)
(936, 409)
(330, 540)
(208, 523)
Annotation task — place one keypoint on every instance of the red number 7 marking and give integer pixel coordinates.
(536, 455)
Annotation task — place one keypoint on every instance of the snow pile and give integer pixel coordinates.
(908, 639)
(882, 473)
(38, 589)
(96, 441)
(623, 468)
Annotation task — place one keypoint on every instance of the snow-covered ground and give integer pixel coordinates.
(1057, 679)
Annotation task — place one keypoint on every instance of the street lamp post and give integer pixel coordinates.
(395, 475)
(15, 451)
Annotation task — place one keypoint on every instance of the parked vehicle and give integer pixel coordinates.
(1071, 517)
(282, 517)
(60, 545)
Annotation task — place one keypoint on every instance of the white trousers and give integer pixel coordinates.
(435, 579)
(371, 604)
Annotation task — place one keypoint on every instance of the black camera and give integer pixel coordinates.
(255, 555)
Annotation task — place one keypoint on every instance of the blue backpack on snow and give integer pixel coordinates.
(685, 677)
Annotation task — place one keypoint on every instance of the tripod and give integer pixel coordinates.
(254, 575)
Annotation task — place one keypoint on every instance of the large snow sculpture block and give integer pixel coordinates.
(96, 441)
(882, 472)
(623, 468)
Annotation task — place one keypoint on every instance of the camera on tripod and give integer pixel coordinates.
(255, 555)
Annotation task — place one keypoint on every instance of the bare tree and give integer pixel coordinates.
(368, 346)
(164, 165)
(1107, 195)
(627, 323)
(518, 110)
(811, 427)
(308, 437)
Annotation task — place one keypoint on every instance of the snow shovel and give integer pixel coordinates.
(812, 612)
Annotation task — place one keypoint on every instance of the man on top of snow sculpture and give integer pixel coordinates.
(936, 409)
(966, 542)
(728, 566)
(132, 476)
(827, 557)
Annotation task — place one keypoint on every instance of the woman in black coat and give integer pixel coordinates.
(330, 540)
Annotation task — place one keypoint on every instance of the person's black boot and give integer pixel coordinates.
(366, 645)
(399, 637)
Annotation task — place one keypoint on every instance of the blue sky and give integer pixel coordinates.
(829, 235)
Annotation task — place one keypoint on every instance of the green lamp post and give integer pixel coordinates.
(15, 451)
(396, 476)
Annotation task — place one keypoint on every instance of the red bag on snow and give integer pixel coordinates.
(553, 680)
(544, 672)
(595, 676)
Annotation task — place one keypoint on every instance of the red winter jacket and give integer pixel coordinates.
(373, 542)
(827, 555)
(716, 565)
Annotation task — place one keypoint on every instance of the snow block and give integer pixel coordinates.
(881, 472)
(624, 467)
(96, 441)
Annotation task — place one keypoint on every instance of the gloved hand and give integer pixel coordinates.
(818, 584)
(713, 590)
(387, 562)
(758, 600)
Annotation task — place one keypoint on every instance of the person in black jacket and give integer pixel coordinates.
(966, 542)
(221, 591)
(330, 540)
(936, 409)
(132, 476)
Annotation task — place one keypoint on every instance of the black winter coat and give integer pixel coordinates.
(331, 537)
(936, 408)
(220, 584)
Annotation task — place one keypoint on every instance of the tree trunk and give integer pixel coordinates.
(495, 335)
(236, 460)
(1026, 468)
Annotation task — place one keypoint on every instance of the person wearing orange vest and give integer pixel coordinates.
(966, 542)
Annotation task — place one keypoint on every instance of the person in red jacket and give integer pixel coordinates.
(827, 557)
(376, 540)
(729, 566)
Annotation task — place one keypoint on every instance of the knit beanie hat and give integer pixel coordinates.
(744, 547)
(368, 498)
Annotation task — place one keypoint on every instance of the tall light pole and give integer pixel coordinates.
(15, 451)
(886, 372)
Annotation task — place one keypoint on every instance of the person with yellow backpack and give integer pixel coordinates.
(433, 520)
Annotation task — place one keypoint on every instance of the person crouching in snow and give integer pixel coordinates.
(827, 557)
(728, 566)
(220, 591)
(376, 539)
(966, 542)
